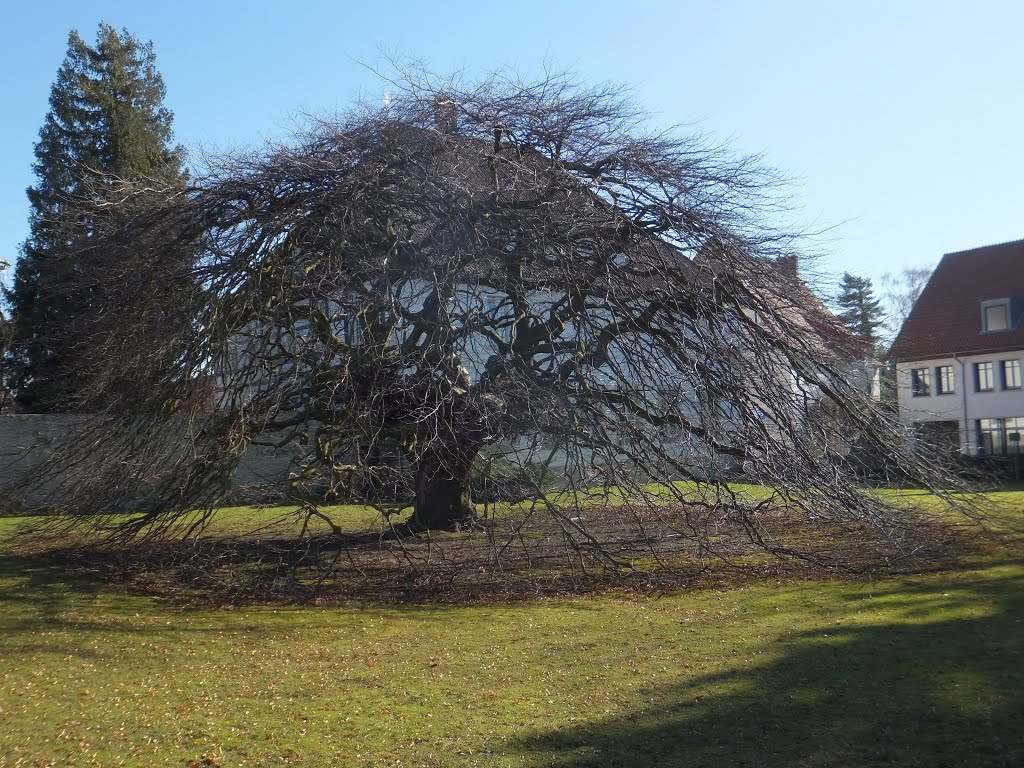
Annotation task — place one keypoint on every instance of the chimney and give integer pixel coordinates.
(788, 265)
(446, 115)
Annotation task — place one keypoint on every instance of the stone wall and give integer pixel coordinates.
(26, 439)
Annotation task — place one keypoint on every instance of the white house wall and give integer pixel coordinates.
(965, 406)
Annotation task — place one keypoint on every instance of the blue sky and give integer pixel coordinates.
(900, 121)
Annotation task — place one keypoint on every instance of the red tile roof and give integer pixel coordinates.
(946, 319)
(790, 296)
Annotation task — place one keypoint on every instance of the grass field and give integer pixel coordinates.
(915, 670)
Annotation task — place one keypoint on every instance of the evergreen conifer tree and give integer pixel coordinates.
(106, 119)
(859, 311)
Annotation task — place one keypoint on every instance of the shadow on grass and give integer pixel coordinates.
(45, 600)
(939, 682)
(38, 583)
(512, 560)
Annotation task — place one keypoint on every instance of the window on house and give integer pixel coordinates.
(920, 382)
(984, 378)
(996, 437)
(944, 382)
(990, 436)
(995, 315)
(1014, 428)
(1011, 374)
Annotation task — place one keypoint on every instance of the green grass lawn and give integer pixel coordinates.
(919, 670)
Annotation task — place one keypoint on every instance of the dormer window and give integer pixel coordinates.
(995, 315)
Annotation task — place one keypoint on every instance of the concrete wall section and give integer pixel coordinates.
(26, 439)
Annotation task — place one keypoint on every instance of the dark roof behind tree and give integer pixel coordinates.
(946, 319)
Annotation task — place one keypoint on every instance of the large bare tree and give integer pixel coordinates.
(499, 273)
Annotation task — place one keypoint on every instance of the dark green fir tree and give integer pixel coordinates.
(859, 310)
(107, 119)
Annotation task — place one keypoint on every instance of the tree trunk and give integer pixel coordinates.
(443, 498)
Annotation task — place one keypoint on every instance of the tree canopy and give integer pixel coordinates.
(107, 121)
(900, 292)
(860, 311)
(507, 268)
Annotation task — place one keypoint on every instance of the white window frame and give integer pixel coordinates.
(920, 382)
(1005, 367)
(990, 378)
(995, 304)
(945, 380)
